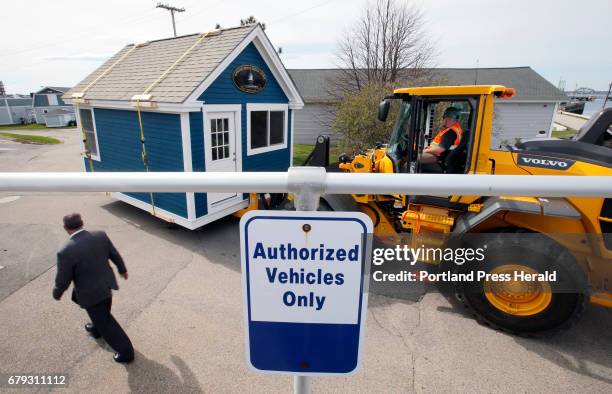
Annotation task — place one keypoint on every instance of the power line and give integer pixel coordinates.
(59, 40)
(172, 11)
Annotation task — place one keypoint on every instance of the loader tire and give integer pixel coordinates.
(538, 309)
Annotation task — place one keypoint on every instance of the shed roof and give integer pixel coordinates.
(147, 62)
(313, 84)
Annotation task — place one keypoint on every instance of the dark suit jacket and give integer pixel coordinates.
(84, 260)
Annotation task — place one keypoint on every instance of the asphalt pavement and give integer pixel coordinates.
(182, 307)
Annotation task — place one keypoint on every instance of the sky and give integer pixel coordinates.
(58, 43)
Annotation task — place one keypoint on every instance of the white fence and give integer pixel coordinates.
(307, 182)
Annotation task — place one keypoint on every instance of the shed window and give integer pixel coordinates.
(91, 138)
(220, 138)
(267, 128)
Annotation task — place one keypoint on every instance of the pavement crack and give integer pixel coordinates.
(397, 333)
(418, 320)
(391, 332)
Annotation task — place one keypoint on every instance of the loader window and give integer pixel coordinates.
(398, 144)
(432, 121)
(433, 116)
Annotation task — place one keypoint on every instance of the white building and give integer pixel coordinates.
(59, 118)
(14, 110)
(48, 99)
(529, 114)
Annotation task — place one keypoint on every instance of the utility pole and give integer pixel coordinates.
(172, 11)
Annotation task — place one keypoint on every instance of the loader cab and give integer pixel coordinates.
(418, 121)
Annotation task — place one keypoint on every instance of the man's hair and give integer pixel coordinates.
(73, 221)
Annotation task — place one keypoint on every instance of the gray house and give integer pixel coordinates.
(527, 115)
(49, 99)
(15, 109)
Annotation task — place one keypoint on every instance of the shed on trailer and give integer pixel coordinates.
(220, 101)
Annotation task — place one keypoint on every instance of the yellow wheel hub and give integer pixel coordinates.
(517, 297)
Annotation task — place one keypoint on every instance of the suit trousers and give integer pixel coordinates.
(109, 329)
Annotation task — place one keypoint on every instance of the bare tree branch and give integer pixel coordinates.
(387, 46)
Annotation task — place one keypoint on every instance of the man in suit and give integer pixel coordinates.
(84, 261)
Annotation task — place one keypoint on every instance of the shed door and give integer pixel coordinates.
(220, 149)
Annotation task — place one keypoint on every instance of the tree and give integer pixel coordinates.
(356, 119)
(386, 48)
(388, 44)
(251, 20)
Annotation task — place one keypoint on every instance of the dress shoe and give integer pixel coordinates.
(121, 359)
(91, 329)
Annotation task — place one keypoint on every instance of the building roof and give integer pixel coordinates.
(15, 102)
(147, 62)
(59, 111)
(60, 89)
(314, 84)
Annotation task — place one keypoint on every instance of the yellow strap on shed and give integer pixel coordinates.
(180, 59)
(145, 96)
(81, 94)
(143, 151)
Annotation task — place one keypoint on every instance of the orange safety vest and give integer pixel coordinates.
(458, 131)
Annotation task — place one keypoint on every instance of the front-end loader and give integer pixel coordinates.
(532, 235)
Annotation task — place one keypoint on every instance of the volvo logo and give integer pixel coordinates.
(541, 162)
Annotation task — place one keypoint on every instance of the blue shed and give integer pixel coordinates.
(220, 101)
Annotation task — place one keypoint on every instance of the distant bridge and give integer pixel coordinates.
(586, 94)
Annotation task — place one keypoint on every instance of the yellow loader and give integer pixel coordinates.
(529, 235)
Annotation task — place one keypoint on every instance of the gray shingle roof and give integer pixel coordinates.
(55, 88)
(59, 88)
(60, 111)
(16, 102)
(314, 84)
(145, 64)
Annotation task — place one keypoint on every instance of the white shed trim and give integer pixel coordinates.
(160, 107)
(187, 161)
(265, 48)
(174, 218)
(265, 107)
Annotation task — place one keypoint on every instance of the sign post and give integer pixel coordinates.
(305, 278)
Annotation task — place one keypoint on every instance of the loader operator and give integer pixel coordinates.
(447, 139)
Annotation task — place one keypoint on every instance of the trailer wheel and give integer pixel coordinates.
(520, 307)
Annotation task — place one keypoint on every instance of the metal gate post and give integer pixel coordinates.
(307, 184)
(301, 384)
